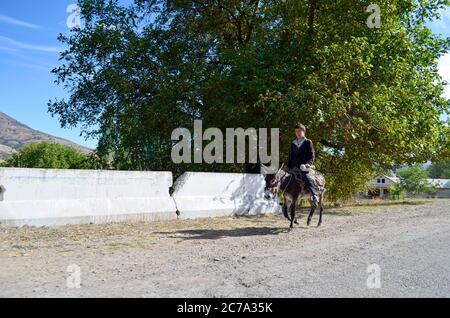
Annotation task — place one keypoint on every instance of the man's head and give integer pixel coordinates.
(300, 131)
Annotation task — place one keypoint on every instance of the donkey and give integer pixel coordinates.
(293, 188)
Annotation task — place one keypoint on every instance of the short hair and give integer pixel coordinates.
(300, 126)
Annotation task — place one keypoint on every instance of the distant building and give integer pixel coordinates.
(380, 187)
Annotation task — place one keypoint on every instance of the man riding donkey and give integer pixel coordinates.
(301, 160)
(300, 180)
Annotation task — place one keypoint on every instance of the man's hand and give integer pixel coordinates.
(307, 167)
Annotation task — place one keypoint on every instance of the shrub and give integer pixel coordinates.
(48, 155)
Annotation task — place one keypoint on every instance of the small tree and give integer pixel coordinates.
(50, 156)
(396, 192)
(414, 180)
(431, 191)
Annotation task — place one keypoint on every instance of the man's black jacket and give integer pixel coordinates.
(301, 155)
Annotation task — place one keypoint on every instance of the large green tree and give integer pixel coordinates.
(370, 97)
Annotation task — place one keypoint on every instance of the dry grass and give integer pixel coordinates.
(116, 236)
(377, 202)
(367, 202)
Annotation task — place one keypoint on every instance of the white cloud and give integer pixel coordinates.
(17, 22)
(7, 49)
(444, 71)
(27, 46)
(27, 65)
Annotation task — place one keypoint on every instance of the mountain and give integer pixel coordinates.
(14, 135)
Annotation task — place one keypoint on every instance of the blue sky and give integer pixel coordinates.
(29, 50)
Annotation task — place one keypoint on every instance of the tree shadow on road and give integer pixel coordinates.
(210, 234)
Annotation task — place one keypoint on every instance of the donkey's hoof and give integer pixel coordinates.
(318, 225)
(296, 221)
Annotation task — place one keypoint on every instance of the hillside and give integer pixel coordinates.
(14, 135)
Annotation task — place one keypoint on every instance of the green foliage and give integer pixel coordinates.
(371, 98)
(439, 170)
(414, 180)
(48, 155)
(397, 192)
(431, 191)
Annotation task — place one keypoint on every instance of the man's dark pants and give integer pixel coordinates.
(306, 177)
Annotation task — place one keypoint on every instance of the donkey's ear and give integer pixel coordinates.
(264, 169)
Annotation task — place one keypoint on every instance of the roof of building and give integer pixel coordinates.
(393, 179)
(380, 181)
(440, 183)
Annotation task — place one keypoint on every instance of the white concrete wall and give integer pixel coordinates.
(221, 194)
(56, 197)
(47, 197)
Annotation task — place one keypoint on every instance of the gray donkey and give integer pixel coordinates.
(292, 187)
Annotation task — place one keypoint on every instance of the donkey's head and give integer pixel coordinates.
(272, 183)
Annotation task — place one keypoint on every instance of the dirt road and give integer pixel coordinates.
(237, 257)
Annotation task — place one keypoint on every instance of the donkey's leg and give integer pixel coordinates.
(292, 214)
(287, 206)
(321, 209)
(285, 209)
(289, 201)
(300, 205)
(311, 212)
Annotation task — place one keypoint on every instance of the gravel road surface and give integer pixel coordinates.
(238, 257)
